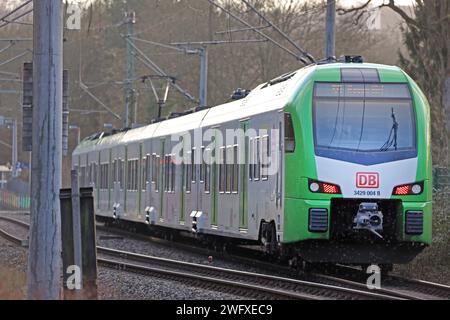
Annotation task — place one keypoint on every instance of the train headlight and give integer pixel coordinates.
(314, 187)
(416, 189)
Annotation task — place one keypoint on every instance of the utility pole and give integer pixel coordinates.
(331, 30)
(203, 52)
(14, 147)
(130, 21)
(44, 261)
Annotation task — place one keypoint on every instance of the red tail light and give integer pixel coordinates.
(330, 188)
(323, 187)
(408, 189)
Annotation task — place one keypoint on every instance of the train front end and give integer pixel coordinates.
(358, 185)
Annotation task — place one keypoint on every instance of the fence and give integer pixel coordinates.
(441, 178)
(12, 201)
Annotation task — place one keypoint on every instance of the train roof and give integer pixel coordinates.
(269, 96)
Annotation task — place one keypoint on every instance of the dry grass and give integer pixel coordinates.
(434, 263)
(12, 284)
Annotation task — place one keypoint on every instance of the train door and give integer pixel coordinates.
(125, 180)
(149, 175)
(146, 185)
(280, 162)
(116, 182)
(141, 182)
(171, 203)
(110, 178)
(161, 179)
(154, 197)
(243, 185)
(214, 180)
(182, 218)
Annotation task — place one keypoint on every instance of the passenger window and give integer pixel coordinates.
(132, 171)
(289, 136)
(188, 170)
(153, 168)
(202, 165)
(122, 174)
(114, 171)
(257, 160)
(229, 172)
(173, 171)
(251, 159)
(166, 173)
(193, 166)
(143, 174)
(147, 171)
(157, 172)
(236, 166)
(208, 171)
(222, 170)
(136, 175)
(265, 157)
(129, 176)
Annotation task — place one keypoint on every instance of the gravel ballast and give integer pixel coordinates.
(112, 284)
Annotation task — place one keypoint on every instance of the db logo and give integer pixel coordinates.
(367, 180)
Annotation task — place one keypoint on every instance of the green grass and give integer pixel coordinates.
(433, 264)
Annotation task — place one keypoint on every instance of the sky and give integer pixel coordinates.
(345, 2)
(352, 3)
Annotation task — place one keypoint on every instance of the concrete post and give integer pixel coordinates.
(44, 262)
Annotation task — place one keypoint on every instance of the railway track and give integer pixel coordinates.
(255, 285)
(430, 289)
(8, 236)
(411, 289)
(346, 277)
(260, 283)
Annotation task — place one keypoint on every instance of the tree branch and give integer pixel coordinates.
(391, 4)
(343, 11)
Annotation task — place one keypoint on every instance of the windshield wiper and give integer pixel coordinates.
(392, 140)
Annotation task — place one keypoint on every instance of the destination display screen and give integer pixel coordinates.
(362, 90)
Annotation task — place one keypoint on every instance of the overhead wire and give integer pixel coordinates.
(282, 33)
(86, 89)
(15, 58)
(213, 2)
(23, 5)
(7, 47)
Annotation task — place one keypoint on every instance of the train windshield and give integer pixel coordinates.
(362, 117)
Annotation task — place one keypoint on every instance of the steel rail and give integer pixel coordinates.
(421, 286)
(387, 292)
(205, 281)
(312, 289)
(7, 236)
(337, 280)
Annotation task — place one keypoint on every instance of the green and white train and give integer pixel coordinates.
(352, 177)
